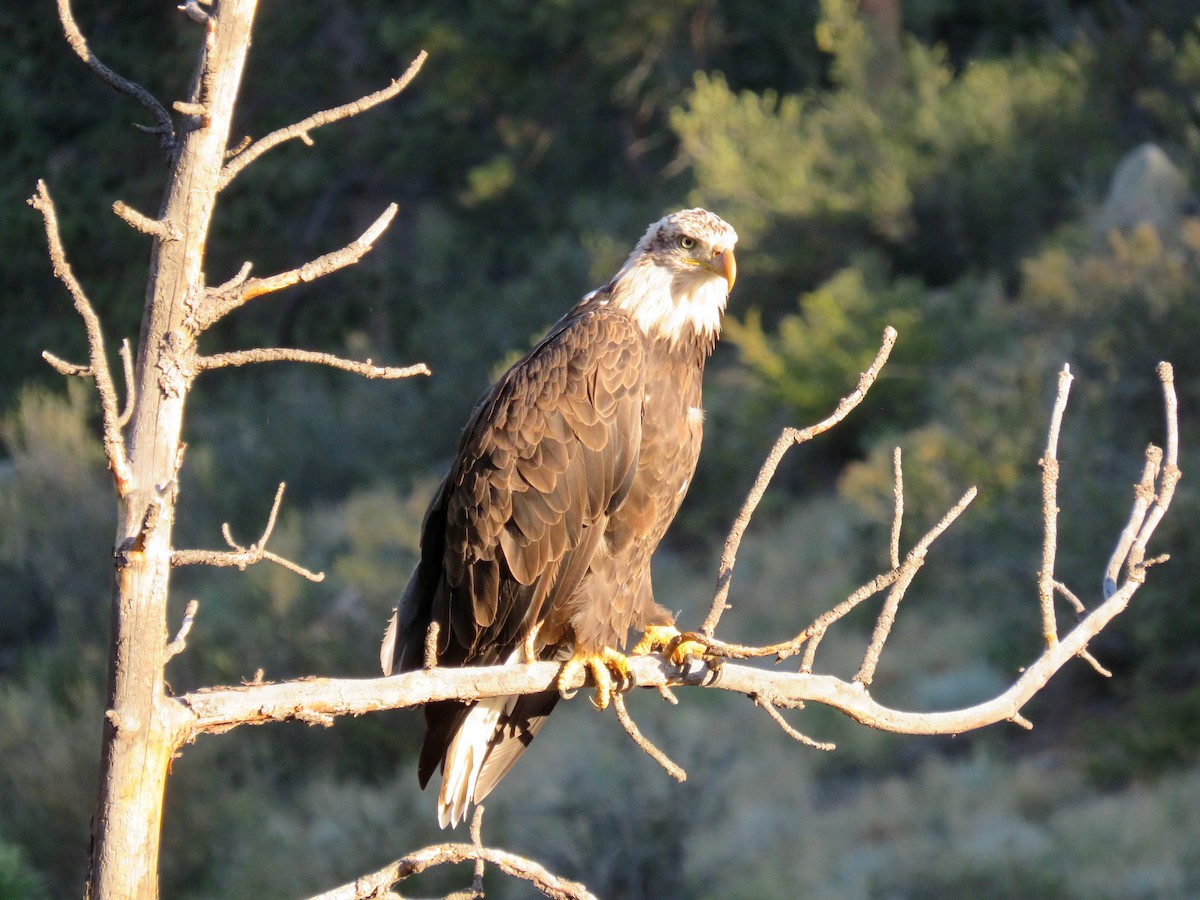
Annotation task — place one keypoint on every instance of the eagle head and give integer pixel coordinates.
(678, 277)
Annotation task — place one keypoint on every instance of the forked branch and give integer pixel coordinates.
(300, 130)
(322, 699)
(377, 884)
(789, 438)
(97, 367)
(240, 556)
(241, 289)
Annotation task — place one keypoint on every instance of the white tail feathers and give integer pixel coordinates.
(465, 757)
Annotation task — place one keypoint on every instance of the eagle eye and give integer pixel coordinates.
(687, 243)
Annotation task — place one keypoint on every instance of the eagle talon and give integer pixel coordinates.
(609, 668)
(675, 645)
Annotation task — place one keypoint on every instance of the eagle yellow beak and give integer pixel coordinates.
(725, 265)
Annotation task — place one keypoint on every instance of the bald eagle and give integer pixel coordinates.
(537, 544)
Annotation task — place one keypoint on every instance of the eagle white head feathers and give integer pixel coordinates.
(537, 544)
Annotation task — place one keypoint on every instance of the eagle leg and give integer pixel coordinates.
(609, 668)
(675, 645)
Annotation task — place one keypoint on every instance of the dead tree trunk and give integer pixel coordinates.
(139, 737)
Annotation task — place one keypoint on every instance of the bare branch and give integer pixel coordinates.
(431, 642)
(818, 628)
(143, 223)
(791, 732)
(62, 367)
(178, 645)
(241, 290)
(130, 384)
(240, 556)
(163, 127)
(789, 438)
(301, 129)
(477, 841)
(898, 506)
(97, 368)
(286, 354)
(1049, 464)
(377, 883)
(912, 564)
(630, 726)
(1148, 506)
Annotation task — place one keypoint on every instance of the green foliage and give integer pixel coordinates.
(17, 880)
(952, 171)
(950, 194)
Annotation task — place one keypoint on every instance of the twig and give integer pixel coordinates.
(630, 726)
(143, 223)
(130, 384)
(62, 367)
(898, 505)
(1069, 596)
(178, 645)
(769, 708)
(240, 290)
(97, 368)
(817, 629)
(240, 556)
(301, 129)
(789, 438)
(1149, 507)
(477, 841)
(912, 563)
(377, 883)
(164, 127)
(1049, 463)
(287, 354)
(431, 643)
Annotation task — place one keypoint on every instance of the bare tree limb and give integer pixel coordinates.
(178, 645)
(225, 708)
(240, 290)
(788, 439)
(164, 127)
(898, 507)
(130, 384)
(286, 354)
(769, 708)
(630, 726)
(97, 368)
(301, 130)
(62, 367)
(1049, 463)
(477, 841)
(240, 556)
(817, 629)
(908, 571)
(143, 223)
(377, 883)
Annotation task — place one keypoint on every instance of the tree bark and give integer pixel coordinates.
(140, 732)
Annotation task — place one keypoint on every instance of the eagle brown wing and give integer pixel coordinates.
(546, 458)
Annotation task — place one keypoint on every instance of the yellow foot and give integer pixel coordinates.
(604, 666)
(677, 646)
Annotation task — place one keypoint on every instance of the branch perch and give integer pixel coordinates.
(377, 883)
(301, 129)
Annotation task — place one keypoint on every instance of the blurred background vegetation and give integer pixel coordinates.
(1005, 182)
